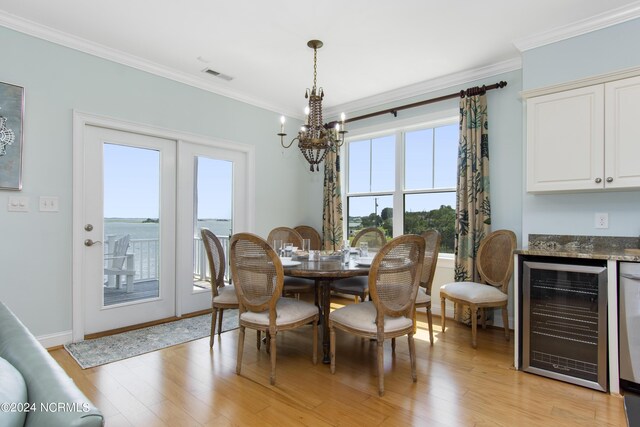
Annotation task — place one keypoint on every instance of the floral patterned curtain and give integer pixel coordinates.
(332, 213)
(473, 208)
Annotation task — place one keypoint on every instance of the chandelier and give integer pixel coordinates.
(315, 138)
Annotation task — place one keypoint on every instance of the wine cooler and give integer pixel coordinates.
(564, 321)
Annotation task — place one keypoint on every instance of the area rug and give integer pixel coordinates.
(99, 351)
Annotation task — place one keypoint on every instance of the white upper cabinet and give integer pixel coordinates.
(585, 139)
(622, 133)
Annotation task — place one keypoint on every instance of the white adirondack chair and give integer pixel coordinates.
(119, 263)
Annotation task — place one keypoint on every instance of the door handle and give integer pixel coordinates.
(609, 179)
(90, 242)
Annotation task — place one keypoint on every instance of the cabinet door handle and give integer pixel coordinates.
(598, 180)
(609, 179)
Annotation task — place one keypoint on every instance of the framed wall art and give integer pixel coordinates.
(11, 117)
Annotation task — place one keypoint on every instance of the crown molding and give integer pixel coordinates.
(597, 22)
(425, 87)
(64, 39)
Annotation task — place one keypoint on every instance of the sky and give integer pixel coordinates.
(372, 169)
(132, 190)
(132, 184)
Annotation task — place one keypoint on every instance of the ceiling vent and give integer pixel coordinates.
(217, 74)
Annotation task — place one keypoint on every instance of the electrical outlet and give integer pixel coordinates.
(602, 220)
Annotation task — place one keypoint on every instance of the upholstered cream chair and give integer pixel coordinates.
(393, 282)
(222, 296)
(258, 277)
(494, 262)
(358, 286)
(432, 241)
(308, 232)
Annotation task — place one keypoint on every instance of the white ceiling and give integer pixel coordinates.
(373, 50)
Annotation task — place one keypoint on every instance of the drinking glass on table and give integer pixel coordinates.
(277, 246)
(288, 249)
(364, 249)
(306, 245)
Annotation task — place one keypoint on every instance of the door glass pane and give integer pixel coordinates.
(431, 210)
(213, 207)
(370, 211)
(131, 224)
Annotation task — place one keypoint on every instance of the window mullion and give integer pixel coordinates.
(398, 197)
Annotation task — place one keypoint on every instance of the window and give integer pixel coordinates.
(427, 171)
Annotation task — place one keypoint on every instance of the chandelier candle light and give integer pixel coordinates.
(315, 137)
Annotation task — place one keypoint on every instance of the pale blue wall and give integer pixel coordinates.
(599, 52)
(35, 248)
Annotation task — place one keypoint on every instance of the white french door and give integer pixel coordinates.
(140, 198)
(129, 214)
(210, 181)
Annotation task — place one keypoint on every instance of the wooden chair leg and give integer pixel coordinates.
(443, 314)
(381, 367)
(258, 339)
(393, 345)
(240, 349)
(430, 322)
(214, 316)
(474, 325)
(412, 356)
(505, 321)
(272, 379)
(220, 321)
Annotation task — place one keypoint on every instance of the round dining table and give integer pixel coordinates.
(324, 272)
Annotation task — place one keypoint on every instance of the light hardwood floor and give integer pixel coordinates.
(188, 385)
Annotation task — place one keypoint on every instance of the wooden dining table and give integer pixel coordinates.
(324, 272)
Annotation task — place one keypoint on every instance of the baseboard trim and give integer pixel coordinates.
(52, 341)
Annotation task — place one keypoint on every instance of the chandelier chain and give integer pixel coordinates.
(315, 67)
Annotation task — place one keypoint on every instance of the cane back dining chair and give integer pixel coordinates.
(359, 286)
(258, 277)
(494, 262)
(308, 232)
(223, 296)
(393, 282)
(293, 285)
(432, 239)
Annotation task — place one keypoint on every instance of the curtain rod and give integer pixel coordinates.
(472, 91)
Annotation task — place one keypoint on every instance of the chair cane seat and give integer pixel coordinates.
(289, 310)
(422, 297)
(476, 293)
(362, 316)
(226, 295)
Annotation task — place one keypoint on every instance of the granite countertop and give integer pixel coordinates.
(593, 247)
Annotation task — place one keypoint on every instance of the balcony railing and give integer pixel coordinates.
(146, 258)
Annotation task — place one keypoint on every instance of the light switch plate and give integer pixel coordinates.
(18, 204)
(49, 204)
